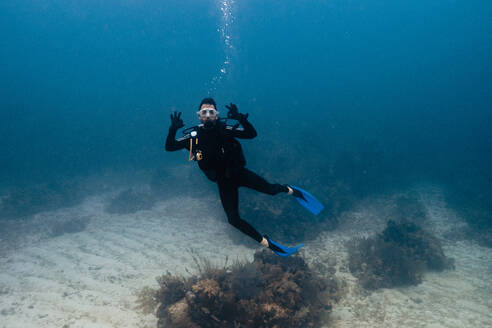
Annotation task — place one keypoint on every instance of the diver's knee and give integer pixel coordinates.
(234, 221)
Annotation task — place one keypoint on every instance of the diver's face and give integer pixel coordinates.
(208, 113)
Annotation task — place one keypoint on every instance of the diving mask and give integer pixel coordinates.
(207, 113)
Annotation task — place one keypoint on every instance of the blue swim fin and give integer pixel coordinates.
(309, 201)
(282, 250)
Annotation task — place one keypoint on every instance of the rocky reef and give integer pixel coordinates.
(399, 255)
(269, 292)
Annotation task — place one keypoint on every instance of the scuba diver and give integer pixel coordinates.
(213, 145)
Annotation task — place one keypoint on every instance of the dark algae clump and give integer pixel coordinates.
(398, 256)
(268, 292)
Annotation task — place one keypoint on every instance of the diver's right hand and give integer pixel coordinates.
(176, 121)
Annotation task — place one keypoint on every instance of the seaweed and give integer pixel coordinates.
(268, 292)
(398, 256)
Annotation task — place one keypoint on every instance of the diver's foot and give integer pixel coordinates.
(281, 250)
(294, 192)
(266, 242)
(290, 190)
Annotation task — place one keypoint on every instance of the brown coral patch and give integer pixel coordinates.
(269, 292)
(398, 256)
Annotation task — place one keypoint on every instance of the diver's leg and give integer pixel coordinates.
(228, 191)
(229, 196)
(252, 180)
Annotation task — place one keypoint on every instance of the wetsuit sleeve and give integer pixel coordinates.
(172, 144)
(247, 132)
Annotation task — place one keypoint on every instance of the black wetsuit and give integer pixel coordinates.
(223, 162)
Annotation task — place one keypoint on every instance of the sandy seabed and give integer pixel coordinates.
(92, 278)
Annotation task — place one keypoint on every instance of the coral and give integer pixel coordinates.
(398, 256)
(179, 315)
(171, 289)
(268, 292)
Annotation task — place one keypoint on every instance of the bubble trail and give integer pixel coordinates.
(227, 20)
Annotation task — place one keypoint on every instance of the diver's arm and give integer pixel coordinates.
(171, 143)
(176, 123)
(248, 131)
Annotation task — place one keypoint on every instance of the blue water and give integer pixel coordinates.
(87, 86)
(381, 109)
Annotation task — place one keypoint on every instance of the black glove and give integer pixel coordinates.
(234, 114)
(176, 121)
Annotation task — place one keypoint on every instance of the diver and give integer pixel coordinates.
(213, 145)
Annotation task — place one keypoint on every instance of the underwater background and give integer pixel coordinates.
(351, 99)
(88, 86)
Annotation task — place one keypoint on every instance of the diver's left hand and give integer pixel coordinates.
(234, 113)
